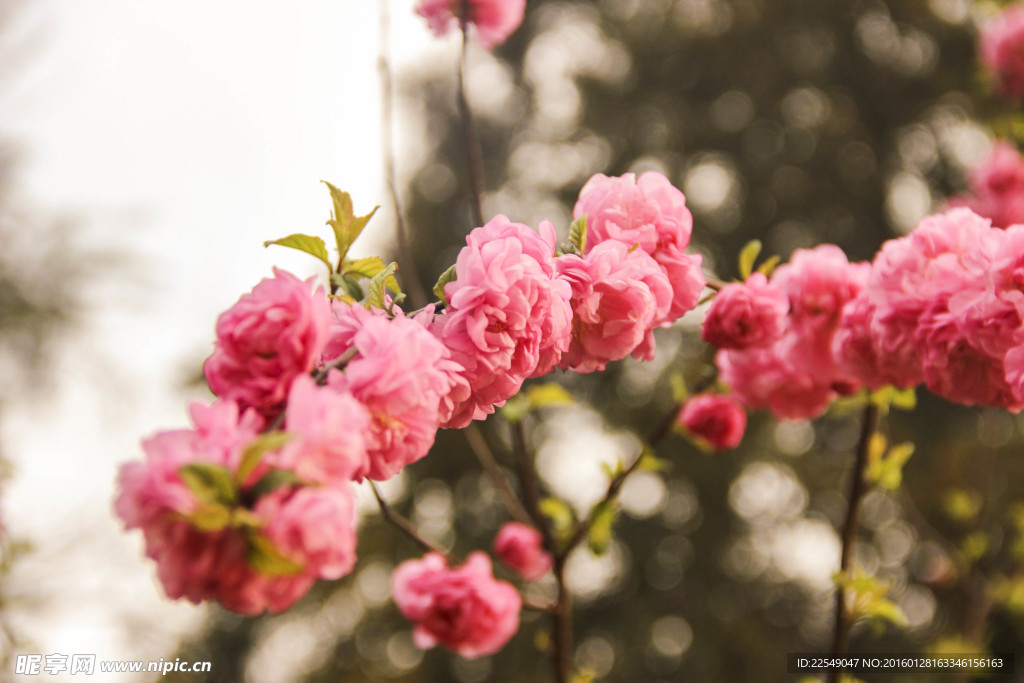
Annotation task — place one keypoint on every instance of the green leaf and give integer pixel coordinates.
(678, 384)
(748, 256)
(345, 224)
(352, 287)
(578, 234)
(210, 517)
(548, 394)
(562, 518)
(652, 463)
(446, 277)
(364, 267)
(379, 284)
(264, 557)
(209, 483)
(307, 243)
(252, 453)
(885, 464)
(885, 610)
(768, 266)
(515, 408)
(599, 534)
(273, 479)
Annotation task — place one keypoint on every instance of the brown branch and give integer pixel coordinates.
(474, 153)
(406, 262)
(482, 452)
(404, 525)
(858, 487)
(529, 485)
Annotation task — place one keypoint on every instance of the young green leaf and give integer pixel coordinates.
(578, 234)
(272, 480)
(210, 517)
(365, 267)
(345, 224)
(209, 483)
(307, 243)
(748, 256)
(264, 557)
(252, 453)
(379, 284)
(599, 534)
(768, 265)
(548, 394)
(561, 516)
(446, 277)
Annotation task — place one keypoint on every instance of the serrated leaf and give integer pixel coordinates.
(210, 517)
(548, 394)
(599, 533)
(264, 557)
(363, 267)
(256, 449)
(768, 266)
(345, 224)
(578, 234)
(273, 479)
(446, 277)
(209, 483)
(379, 284)
(307, 243)
(748, 255)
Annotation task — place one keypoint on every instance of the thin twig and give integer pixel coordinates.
(714, 283)
(482, 452)
(406, 262)
(403, 524)
(473, 151)
(529, 485)
(858, 487)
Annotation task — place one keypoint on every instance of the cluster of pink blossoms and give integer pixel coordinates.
(1002, 50)
(255, 503)
(997, 187)
(494, 20)
(943, 306)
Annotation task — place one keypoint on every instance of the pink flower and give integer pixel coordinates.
(521, 548)
(508, 317)
(1002, 50)
(752, 314)
(765, 378)
(267, 339)
(650, 214)
(997, 186)
(717, 419)
(401, 374)
(465, 608)
(209, 563)
(313, 527)
(495, 20)
(618, 297)
(331, 429)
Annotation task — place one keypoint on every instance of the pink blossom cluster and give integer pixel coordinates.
(251, 552)
(997, 187)
(494, 20)
(776, 336)
(718, 420)
(943, 305)
(516, 311)
(1002, 50)
(463, 608)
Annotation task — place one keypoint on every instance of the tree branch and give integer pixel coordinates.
(404, 525)
(474, 153)
(482, 452)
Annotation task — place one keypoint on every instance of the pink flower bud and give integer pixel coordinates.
(718, 420)
(521, 548)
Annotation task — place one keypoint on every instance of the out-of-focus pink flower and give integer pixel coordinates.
(464, 608)
(508, 317)
(331, 429)
(618, 297)
(764, 378)
(747, 315)
(648, 213)
(313, 527)
(272, 335)
(1002, 50)
(997, 187)
(495, 20)
(194, 563)
(401, 373)
(521, 548)
(717, 419)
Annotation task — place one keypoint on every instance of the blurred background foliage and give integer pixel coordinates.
(796, 122)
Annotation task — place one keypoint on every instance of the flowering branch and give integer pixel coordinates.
(482, 452)
(473, 151)
(858, 487)
(403, 524)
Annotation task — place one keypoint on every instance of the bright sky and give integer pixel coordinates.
(183, 134)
